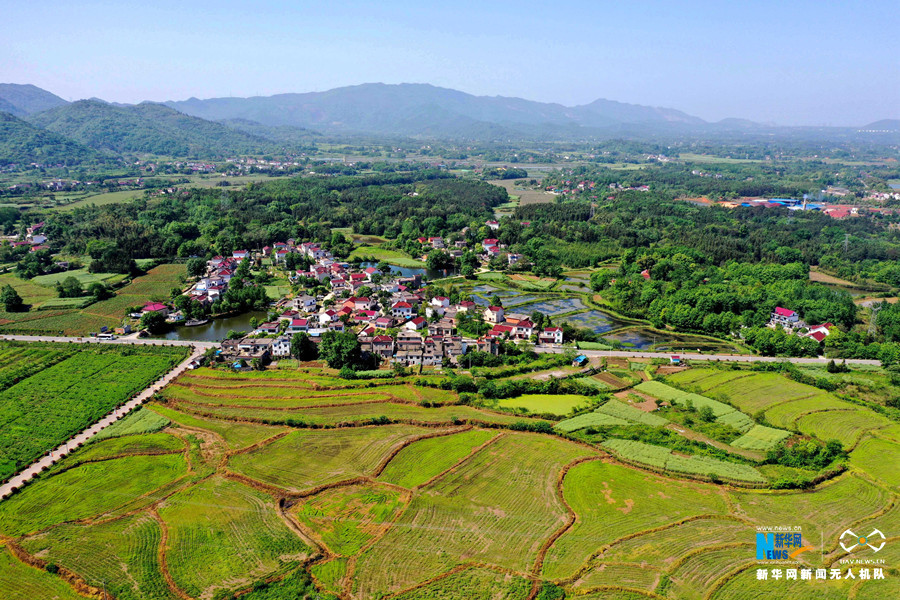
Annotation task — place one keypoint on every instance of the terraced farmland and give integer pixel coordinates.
(231, 481)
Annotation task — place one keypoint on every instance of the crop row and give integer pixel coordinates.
(662, 458)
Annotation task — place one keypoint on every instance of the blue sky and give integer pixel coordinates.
(787, 62)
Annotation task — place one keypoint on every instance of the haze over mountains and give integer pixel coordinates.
(40, 125)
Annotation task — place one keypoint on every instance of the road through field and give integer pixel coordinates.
(71, 445)
(821, 360)
(121, 340)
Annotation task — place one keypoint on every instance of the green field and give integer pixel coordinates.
(227, 481)
(19, 581)
(221, 532)
(42, 411)
(546, 404)
(392, 257)
(343, 454)
(156, 284)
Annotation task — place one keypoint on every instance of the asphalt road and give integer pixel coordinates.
(698, 356)
(120, 340)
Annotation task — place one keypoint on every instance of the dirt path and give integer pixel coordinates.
(699, 437)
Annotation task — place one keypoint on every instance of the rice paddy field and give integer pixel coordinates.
(785, 403)
(230, 484)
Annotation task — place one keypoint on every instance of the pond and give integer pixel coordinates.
(558, 306)
(216, 330)
(595, 320)
(413, 271)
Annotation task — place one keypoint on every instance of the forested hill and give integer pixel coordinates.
(23, 143)
(213, 221)
(21, 100)
(147, 128)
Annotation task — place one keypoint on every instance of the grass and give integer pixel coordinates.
(621, 410)
(19, 581)
(668, 545)
(466, 514)
(138, 421)
(49, 407)
(84, 277)
(420, 461)
(236, 435)
(878, 458)
(659, 457)
(697, 574)
(670, 394)
(592, 419)
(392, 257)
(750, 393)
(331, 574)
(475, 584)
(155, 284)
(559, 405)
(347, 518)
(613, 501)
(89, 490)
(123, 555)
(342, 454)
(364, 413)
(103, 199)
(632, 576)
(125, 446)
(223, 535)
(845, 426)
(761, 438)
(828, 511)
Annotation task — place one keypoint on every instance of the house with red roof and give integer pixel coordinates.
(416, 324)
(494, 314)
(401, 310)
(157, 307)
(298, 325)
(551, 335)
(784, 317)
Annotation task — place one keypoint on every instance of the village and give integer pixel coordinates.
(394, 317)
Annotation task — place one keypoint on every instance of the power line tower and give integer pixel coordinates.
(873, 322)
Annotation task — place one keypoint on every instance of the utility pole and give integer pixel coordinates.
(846, 242)
(873, 322)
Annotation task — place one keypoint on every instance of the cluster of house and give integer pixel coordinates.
(790, 321)
(417, 341)
(34, 238)
(516, 326)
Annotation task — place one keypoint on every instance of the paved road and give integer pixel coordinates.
(697, 356)
(70, 446)
(120, 340)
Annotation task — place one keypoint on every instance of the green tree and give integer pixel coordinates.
(70, 287)
(99, 291)
(340, 350)
(154, 322)
(196, 267)
(303, 348)
(11, 300)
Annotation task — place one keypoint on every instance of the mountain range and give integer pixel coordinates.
(425, 110)
(40, 126)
